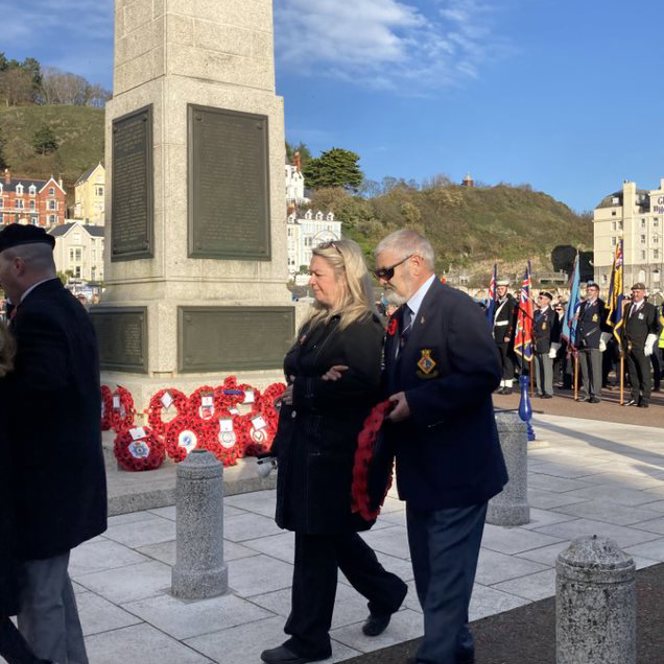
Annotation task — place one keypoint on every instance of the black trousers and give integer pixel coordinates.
(507, 360)
(638, 368)
(13, 646)
(317, 559)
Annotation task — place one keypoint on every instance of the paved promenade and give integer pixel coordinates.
(585, 477)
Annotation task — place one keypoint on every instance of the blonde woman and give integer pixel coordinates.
(12, 645)
(318, 427)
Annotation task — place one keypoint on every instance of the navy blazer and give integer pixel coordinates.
(447, 452)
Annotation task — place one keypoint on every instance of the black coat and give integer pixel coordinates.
(317, 435)
(591, 324)
(53, 422)
(8, 565)
(504, 319)
(546, 329)
(637, 327)
(448, 453)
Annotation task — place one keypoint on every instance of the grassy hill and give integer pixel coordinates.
(78, 129)
(470, 228)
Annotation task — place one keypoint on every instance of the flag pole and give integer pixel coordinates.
(576, 375)
(622, 377)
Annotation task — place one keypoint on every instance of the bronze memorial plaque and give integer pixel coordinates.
(122, 334)
(233, 338)
(132, 207)
(228, 180)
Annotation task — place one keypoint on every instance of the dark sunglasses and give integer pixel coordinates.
(388, 272)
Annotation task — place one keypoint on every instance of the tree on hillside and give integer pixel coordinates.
(16, 87)
(3, 161)
(334, 168)
(44, 141)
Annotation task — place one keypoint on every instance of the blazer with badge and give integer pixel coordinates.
(53, 419)
(447, 451)
(591, 324)
(546, 329)
(637, 326)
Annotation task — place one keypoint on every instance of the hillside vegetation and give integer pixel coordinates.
(79, 131)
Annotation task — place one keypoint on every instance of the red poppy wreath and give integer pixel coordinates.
(123, 410)
(106, 408)
(138, 449)
(184, 434)
(164, 401)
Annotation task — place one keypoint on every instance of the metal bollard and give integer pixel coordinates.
(595, 604)
(510, 507)
(199, 569)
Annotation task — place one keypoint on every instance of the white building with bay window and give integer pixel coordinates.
(306, 232)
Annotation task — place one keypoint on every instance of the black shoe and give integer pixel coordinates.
(593, 400)
(376, 624)
(506, 390)
(282, 655)
(547, 396)
(465, 658)
(632, 402)
(643, 404)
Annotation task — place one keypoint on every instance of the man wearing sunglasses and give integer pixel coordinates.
(441, 366)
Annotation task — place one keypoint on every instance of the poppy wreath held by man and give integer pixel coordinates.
(106, 408)
(138, 449)
(365, 455)
(163, 402)
(123, 410)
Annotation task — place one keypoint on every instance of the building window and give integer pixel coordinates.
(643, 239)
(620, 225)
(2, 202)
(52, 205)
(643, 255)
(99, 191)
(32, 190)
(19, 204)
(51, 218)
(604, 279)
(32, 205)
(613, 213)
(34, 221)
(655, 239)
(655, 222)
(614, 225)
(19, 190)
(643, 223)
(613, 242)
(655, 254)
(51, 191)
(2, 221)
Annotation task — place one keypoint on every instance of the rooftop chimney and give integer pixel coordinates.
(298, 161)
(8, 176)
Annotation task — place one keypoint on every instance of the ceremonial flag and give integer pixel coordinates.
(523, 339)
(568, 332)
(491, 302)
(615, 301)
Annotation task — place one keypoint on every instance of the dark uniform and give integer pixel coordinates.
(591, 324)
(503, 328)
(546, 331)
(640, 321)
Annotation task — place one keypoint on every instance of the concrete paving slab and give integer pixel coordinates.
(547, 555)
(99, 615)
(101, 554)
(494, 567)
(280, 546)
(185, 619)
(258, 575)
(140, 643)
(248, 527)
(139, 533)
(514, 540)
(540, 518)
(613, 513)
(532, 586)
(489, 601)
(392, 541)
(623, 535)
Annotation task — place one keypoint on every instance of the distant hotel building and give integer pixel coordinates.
(637, 217)
(307, 232)
(24, 200)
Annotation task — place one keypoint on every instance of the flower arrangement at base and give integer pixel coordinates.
(202, 403)
(123, 410)
(163, 401)
(222, 438)
(106, 408)
(184, 434)
(364, 502)
(138, 449)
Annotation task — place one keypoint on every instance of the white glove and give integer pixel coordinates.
(265, 466)
(604, 338)
(650, 344)
(555, 347)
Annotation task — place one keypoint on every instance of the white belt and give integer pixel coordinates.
(502, 322)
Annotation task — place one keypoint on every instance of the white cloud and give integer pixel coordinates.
(385, 44)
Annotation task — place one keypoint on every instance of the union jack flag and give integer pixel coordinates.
(523, 339)
(491, 302)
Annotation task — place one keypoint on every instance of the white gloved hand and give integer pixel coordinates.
(604, 339)
(650, 344)
(602, 345)
(265, 465)
(553, 353)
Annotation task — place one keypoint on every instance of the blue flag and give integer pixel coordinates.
(491, 301)
(568, 332)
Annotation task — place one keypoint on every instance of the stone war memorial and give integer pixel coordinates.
(196, 253)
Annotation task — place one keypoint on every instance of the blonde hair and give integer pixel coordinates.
(345, 258)
(7, 349)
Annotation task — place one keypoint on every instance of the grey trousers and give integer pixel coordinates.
(544, 373)
(49, 618)
(590, 360)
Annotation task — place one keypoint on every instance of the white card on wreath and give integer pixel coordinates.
(249, 396)
(166, 400)
(233, 411)
(226, 425)
(258, 422)
(137, 433)
(207, 401)
(116, 401)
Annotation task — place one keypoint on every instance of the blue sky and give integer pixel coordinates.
(561, 94)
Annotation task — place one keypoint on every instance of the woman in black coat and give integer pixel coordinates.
(333, 375)
(12, 645)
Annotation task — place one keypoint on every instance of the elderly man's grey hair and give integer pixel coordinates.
(406, 242)
(38, 256)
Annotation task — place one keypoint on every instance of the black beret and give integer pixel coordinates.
(17, 234)
(546, 294)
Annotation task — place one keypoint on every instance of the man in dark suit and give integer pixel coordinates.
(592, 333)
(53, 420)
(546, 335)
(640, 332)
(441, 366)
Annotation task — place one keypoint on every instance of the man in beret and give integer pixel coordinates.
(640, 332)
(546, 335)
(52, 413)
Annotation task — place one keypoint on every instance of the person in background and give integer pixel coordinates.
(58, 479)
(503, 333)
(546, 335)
(333, 375)
(441, 366)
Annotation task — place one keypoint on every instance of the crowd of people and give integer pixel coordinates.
(594, 351)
